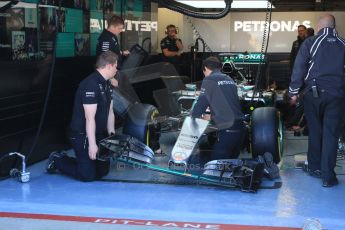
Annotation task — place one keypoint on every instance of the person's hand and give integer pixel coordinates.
(125, 52)
(114, 82)
(293, 100)
(93, 149)
(111, 133)
(206, 117)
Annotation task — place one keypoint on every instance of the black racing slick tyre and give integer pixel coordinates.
(266, 133)
(138, 123)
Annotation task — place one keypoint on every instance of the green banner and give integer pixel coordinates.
(74, 20)
(65, 45)
(93, 43)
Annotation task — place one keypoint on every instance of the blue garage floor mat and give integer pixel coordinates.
(300, 197)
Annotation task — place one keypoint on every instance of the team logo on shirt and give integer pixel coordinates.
(89, 94)
(225, 82)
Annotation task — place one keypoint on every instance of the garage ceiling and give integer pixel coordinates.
(309, 5)
(296, 5)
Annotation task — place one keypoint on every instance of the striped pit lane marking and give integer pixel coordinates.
(135, 222)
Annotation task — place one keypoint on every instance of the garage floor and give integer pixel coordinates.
(57, 202)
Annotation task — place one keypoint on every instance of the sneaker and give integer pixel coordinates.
(271, 169)
(51, 167)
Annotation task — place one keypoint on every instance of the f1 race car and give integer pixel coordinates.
(144, 122)
(143, 126)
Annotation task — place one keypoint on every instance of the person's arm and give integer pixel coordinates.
(300, 71)
(293, 100)
(90, 113)
(111, 120)
(114, 82)
(107, 42)
(104, 44)
(202, 101)
(179, 45)
(200, 106)
(168, 53)
(125, 52)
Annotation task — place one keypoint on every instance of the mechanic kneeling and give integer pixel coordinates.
(219, 93)
(92, 118)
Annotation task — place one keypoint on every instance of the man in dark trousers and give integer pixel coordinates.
(93, 119)
(219, 93)
(302, 34)
(319, 71)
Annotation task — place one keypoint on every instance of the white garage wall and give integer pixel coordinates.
(221, 36)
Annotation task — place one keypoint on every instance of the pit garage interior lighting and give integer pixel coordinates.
(238, 4)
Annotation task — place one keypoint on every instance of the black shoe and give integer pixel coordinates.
(51, 167)
(330, 183)
(314, 173)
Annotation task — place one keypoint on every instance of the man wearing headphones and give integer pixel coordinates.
(219, 93)
(172, 47)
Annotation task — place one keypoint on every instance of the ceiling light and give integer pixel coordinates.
(19, 5)
(3, 3)
(236, 4)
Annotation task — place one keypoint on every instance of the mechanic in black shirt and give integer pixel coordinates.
(319, 74)
(172, 48)
(108, 40)
(219, 94)
(92, 120)
(171, 45)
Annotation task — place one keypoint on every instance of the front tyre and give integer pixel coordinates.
(266, 133)
(138, 123)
